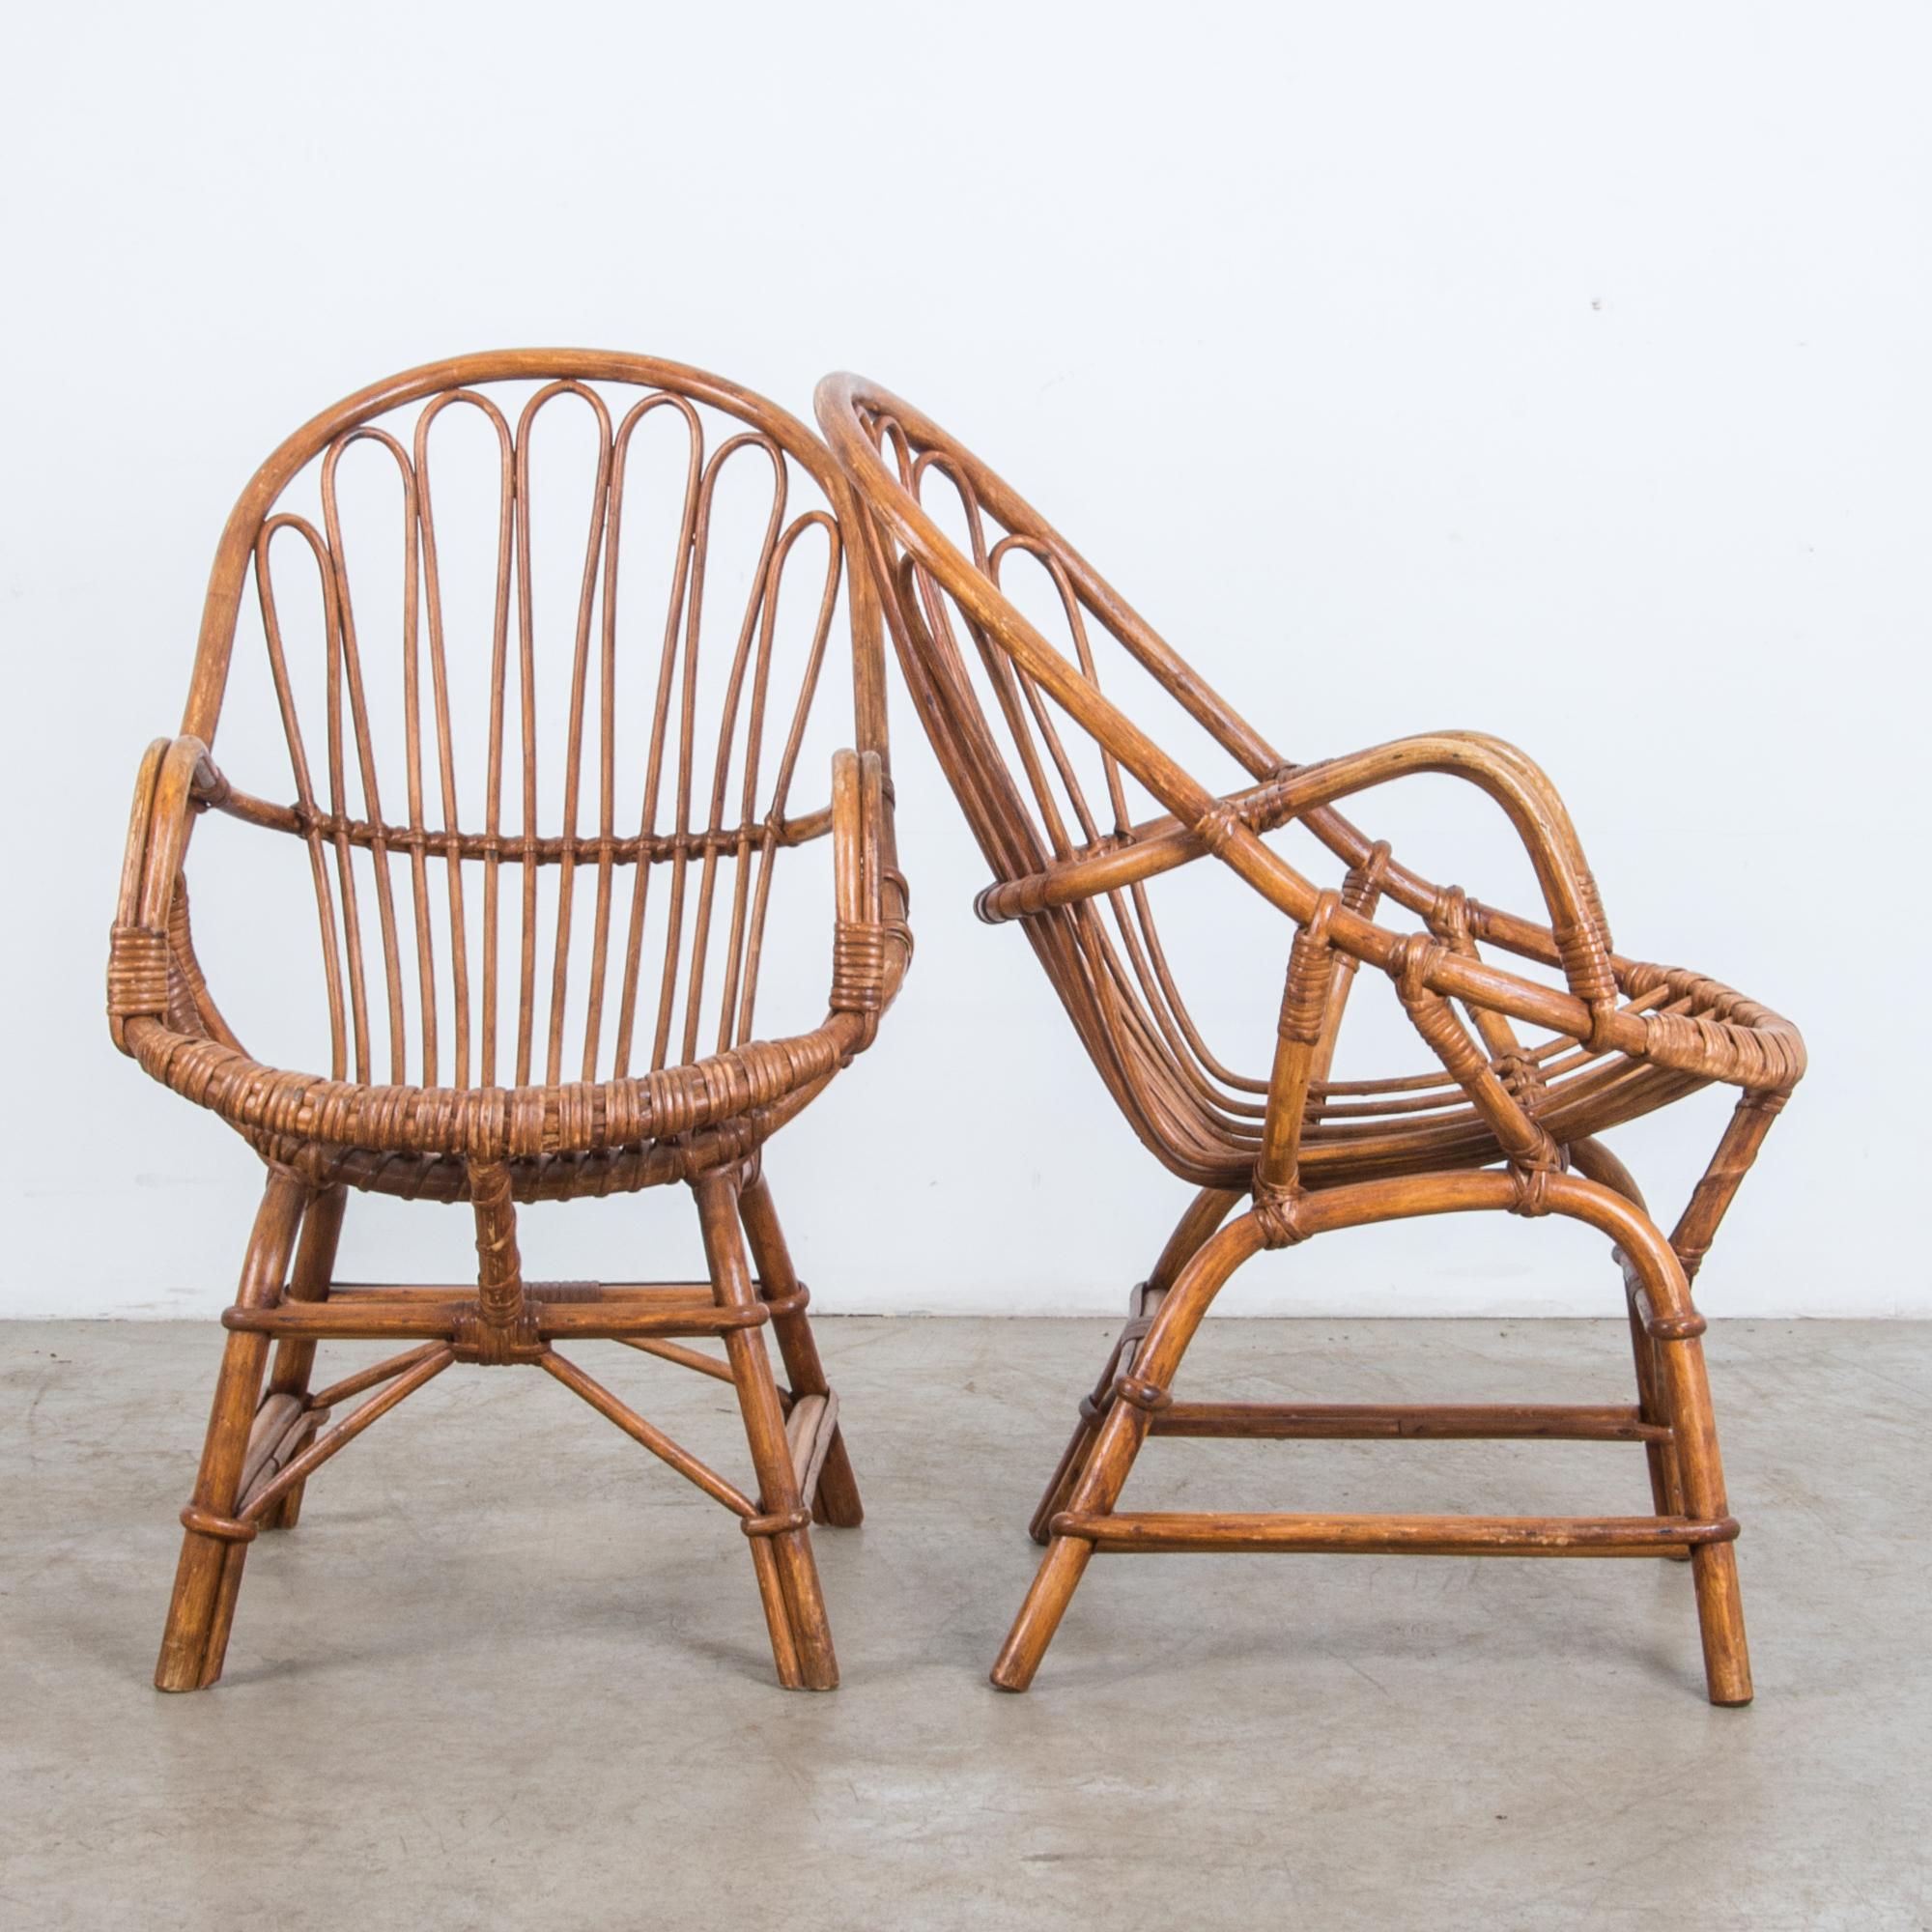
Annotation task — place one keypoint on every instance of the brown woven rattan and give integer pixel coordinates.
(1051, 761)
(446, 784)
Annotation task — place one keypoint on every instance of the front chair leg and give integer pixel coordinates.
(836, 1499)
(1204, 1213)
(1073, 1457)
(1122, 1432)
(781, 1534)
(208, 1575)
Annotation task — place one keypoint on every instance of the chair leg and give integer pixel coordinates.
(836, 1499)
(295, 1360)
(1595, 1161)
(781, 1535)
(1666, 1489)
(1073, 1457)
(1205, 1214)
(1097, 1490)
(1714, 1566)
(208, 1575)
(1689, 1477)
(1105, 1473)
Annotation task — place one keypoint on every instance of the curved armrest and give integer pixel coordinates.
(1510, 776)
(1532, 806)
(175, 778)
(1227, 826)
(872, 944)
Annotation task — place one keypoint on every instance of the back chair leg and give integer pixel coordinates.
(781, 1534)
(215, 1544)
(294, 1357)
(1595, 1161)
(1666, 1489)
(836, 1500)
(1714, 1566)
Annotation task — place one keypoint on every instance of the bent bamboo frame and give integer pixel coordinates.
(1498, 1124)
(613, 1073)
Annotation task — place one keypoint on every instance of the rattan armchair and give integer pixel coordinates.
(614, 1071)
(1044, 759)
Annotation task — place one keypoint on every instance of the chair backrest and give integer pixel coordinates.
(1013, 717)
(1044, 746)
(483, 735)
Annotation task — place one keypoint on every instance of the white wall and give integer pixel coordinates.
(1551, 370)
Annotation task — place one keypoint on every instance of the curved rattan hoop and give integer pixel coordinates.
(234, 556)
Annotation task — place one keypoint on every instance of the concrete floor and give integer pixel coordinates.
(510, 1672)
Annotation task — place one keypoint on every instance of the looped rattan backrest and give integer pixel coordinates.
(541, 818)
(968, 641)
(1038, 723)
(1080, 883)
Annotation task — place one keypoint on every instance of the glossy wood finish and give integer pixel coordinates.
(569, 1061)
(1082, 807)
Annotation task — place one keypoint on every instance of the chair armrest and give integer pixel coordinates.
(872, 944)
(1529, 800)
(1512, 778)
(174, 779)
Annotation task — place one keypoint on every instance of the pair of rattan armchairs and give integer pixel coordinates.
(625, 801)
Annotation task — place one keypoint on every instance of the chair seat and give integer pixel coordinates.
(1375, 1130)
(553, 1176)
(582, 1138)
(1347, 1140)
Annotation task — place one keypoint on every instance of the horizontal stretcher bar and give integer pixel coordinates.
(1398, 1535)
(538, 1291)
(429, 1317)
(512, 848)
(1440, 1421)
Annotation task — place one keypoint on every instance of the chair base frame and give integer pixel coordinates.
(269, 1432)
(1078, 1514)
